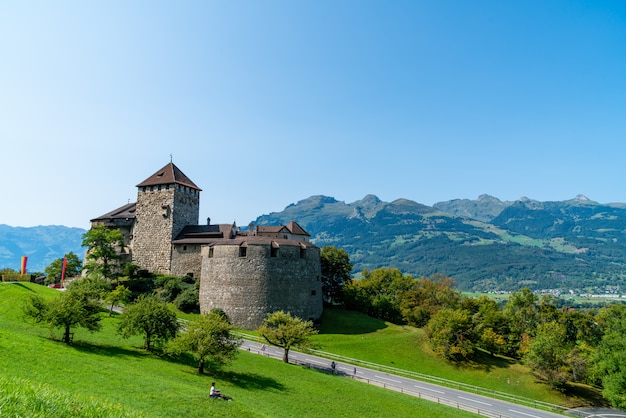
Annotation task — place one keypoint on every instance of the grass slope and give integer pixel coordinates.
(102, 375)
(354, 335)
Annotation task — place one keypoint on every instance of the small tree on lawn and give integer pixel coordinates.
(77, 307)
(121, 294)
(208, 338)
(150, 317)
(285, 331)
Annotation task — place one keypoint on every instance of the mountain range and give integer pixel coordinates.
(41, 244)
(484, 244)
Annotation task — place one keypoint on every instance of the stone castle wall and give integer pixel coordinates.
(186, 260)
(162, 212)
(248, 288)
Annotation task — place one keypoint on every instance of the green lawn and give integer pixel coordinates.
(357, 336)
(102, 375)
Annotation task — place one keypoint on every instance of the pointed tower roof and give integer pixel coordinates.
(168, 175)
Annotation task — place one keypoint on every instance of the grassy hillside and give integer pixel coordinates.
(357, 336)
(105, 376)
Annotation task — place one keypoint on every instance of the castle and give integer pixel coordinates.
(247, 273)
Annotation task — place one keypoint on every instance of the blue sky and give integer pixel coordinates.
(265, 103)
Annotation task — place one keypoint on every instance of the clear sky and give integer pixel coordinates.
(265, 103)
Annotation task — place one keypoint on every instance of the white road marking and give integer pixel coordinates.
(386, 378)
(474, 400)
(523, 413)
(432, 390)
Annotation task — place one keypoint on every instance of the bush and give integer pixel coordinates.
(188, 301)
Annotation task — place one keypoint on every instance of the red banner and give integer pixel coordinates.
(63, 269)
(24, 261)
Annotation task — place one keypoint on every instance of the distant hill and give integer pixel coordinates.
(484, 244)
(42, 245)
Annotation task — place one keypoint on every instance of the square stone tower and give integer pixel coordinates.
(167, 201)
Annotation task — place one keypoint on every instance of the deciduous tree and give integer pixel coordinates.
(336, 270)
(610, 359)
(208, 338)
(428, 295)
(75, 307)
(379, 293)
(547, 354)
(150, 317)
(450, 333)
(286, 331)
(73, 267)
(120, 295)
(522, 313)
(104, 245)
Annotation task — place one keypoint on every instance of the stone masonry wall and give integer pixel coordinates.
(161, 213)
(248, 288)
(186, 259)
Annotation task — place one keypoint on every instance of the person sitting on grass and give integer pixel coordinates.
(214, 393)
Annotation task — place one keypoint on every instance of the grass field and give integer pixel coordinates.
(354, 335)
(102, 375)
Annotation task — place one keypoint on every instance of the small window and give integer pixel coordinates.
(302, 251)
(243, 250)
(184, 248)
(313, 292)
(274, 249)
(211, 252)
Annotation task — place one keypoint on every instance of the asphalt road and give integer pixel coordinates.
(471, 402)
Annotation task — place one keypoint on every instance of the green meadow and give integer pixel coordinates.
(103, 375)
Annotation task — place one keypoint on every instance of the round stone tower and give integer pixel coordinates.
(167, 201)
(249, 277)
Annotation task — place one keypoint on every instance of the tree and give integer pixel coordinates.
(547, 354)
(103, 245)
(73, 267)
(522, 314)
(121, 294)
(610, 358)
(450, 333)
(428, 296)
(490, 325)
(379, 293)
(151, 317)
(76, 307)
(209, 337)
(336, 270)
(286, 331)
(93, 284)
